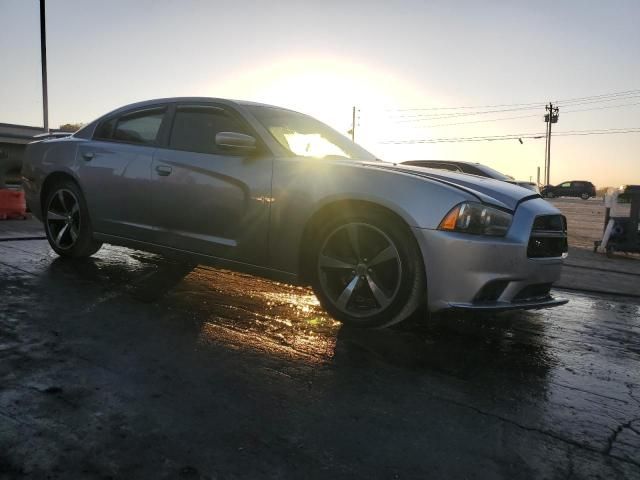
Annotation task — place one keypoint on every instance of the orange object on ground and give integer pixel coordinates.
(12, 204)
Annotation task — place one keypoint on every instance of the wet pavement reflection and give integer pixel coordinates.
(532, 394)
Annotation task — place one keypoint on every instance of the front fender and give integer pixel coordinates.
(304, 186)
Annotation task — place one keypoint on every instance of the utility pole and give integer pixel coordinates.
(353, 124)
(43, 60)
(550, 118)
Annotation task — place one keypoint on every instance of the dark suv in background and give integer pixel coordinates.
(574, 188)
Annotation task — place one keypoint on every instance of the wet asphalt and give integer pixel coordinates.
(129, 365)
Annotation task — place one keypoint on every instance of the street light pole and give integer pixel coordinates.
(43, 59)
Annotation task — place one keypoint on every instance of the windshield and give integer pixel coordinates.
(305, 136)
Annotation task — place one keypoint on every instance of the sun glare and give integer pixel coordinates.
(326, 88)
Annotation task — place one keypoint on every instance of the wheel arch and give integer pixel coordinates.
(324, 213)
(52, 179)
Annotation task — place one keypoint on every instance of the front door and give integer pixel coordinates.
(209, 199)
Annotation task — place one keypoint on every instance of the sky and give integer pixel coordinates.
(324, 57)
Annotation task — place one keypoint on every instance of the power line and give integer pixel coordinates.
(465, 139)
(606, 95)
(534, 104)
(603, 100)
(489, 120)
(414, 120)
(601, 108)
(530, 105)
(480, 121)
(535, 136)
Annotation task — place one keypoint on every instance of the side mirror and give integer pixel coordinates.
(238, 142)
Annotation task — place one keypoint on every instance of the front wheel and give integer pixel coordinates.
(549, 195)
(67, 222)
(368, 269)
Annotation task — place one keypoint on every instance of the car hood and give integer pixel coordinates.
(487, 190)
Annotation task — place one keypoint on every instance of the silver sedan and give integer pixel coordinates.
(276, 193)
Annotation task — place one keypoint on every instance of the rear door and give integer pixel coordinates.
(212, 200)
(115, 173)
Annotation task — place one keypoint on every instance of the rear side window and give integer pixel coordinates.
(141, 127)
(195, 128)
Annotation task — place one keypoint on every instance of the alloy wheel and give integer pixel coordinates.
(63, 219)
(360, 269)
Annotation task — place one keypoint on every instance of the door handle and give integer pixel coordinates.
(88, 156)
(164, 170)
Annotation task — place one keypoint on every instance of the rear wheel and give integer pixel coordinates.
(584, 196)
(67, 222)
(368, 270)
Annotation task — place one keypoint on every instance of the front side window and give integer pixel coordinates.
(195, 129)
(305, 136)
(566, 185)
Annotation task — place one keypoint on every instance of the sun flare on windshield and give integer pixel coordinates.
(312, 145)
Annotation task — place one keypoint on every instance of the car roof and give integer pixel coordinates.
(456, 162)
(154, 101)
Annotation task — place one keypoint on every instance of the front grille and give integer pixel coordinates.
(533, 292)
(548, 237)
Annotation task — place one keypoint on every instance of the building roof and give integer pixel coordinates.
(18, 134)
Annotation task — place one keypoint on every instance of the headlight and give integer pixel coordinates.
(477, 219)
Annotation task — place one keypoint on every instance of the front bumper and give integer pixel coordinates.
(474, 272)
(506, 306)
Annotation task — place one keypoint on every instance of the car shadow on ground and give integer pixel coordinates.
(274, 314)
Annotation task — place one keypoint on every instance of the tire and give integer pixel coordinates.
(367, 269)
(549, 195)
(585, 196)
(67, 223)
